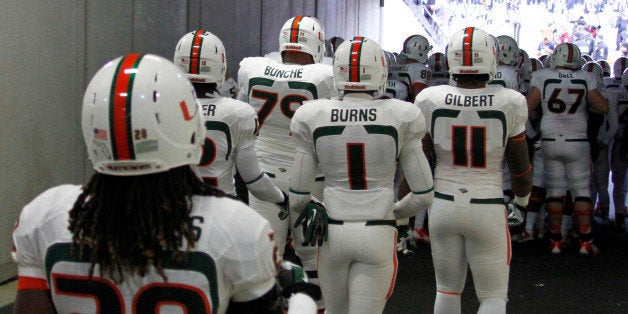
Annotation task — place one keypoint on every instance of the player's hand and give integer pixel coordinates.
(285, 206)
(293, 279)
(313, 220)
(516, 213)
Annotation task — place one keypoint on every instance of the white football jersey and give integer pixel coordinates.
(609, 126)
(276, 90)
(410, 74)
(470, 129)
(357, 142)
(563, 100)
(230, 126)
(232, 259)
(395, 90)
(611, 82)
(506, 76)
(622, 114)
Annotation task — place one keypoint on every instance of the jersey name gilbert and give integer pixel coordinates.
(469, 101)
(353, 115)
(296, 73)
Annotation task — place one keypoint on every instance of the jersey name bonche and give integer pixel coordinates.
(275, 90)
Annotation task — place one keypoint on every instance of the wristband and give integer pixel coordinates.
(522, 200)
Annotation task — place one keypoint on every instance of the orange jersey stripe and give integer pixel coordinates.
(31, 283)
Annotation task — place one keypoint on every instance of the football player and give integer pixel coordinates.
(619, 66)
(412, 69)
(473, 127)
(275, 90)
(230, 125)
(508, 64)
(357, 140)
(601, 129)
(145, 234)
(437, 63)
(619, 155)
(564, 93)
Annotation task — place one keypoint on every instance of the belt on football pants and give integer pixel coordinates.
(272, 175)
(447, 197)
(547, 139)
(392, 223)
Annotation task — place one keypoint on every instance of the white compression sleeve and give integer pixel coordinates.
(257, 182)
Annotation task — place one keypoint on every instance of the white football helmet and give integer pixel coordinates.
(437, 63)
(619, 66)
(524, 65)
(566, 55)
(416, 47)
(360, 65)
(303, 34)
(201, 55)
(587, 58)
(606, 67)
(140, 116)
(508, 50)
(472, 51)
(595, 69)
(535, 64)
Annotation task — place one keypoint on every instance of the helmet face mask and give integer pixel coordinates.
(508, 50)
(303, 34)
(472, 51)
(140, 116)
(566, 55)
(619, 66)
(606, 67)
(360, 65)
(595, 69)
(437, 63)
(416, 47)
(201, 55)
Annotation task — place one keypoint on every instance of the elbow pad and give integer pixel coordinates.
(412, 204)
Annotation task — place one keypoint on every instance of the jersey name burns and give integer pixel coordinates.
(469, 101)
(353, 115)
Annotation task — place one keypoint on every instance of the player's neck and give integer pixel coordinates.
(471, 84)
(206, 90)
(297, 58)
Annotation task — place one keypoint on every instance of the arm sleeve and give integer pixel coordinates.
(257, 182)
(305, 163)
(613, 124)
(416, 169)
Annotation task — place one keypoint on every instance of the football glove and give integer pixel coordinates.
(313, 221)
(293, 279)
(516, 213)
(284, 210)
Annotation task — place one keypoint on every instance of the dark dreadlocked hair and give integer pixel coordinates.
(129, 223)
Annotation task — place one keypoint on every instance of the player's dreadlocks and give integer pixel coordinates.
(133, 222)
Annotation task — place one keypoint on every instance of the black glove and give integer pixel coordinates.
(313, 221)
(293, 279)
(285, 207)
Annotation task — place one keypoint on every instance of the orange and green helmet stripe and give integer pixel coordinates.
(354, 59)
(467, 46)
(195, 52)
(120, 99)
(294, 29)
